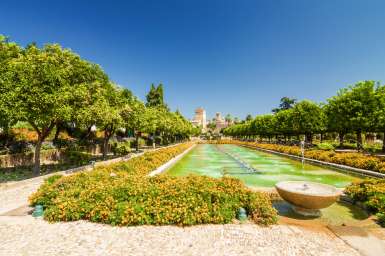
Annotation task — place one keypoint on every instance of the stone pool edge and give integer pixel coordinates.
(170, 163)
(322, 163)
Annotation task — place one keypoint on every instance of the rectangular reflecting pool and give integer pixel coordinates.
(253, 167)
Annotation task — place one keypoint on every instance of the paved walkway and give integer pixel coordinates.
(24, 235)
(21, 234)
(15, 194)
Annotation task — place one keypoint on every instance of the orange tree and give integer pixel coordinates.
(41, 88)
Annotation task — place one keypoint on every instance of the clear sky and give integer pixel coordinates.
(232, 56)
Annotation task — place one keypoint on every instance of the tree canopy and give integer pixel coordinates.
(47, 86)
(355, 109)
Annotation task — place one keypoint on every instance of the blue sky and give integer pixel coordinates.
(232, 56)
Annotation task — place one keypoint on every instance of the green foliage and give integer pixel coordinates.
(371, 193)
(355, 109)
(8, 52)
(307, 117)
(131, 198)
(325, 146)
(286, 103)
(121, 148)
(138, 143)
(77, 157)
(43, 86)
(304, 117)
(51, 179)
(51, 87)
(155, 97)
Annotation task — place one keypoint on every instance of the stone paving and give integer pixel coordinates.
(21, 234)
(24, 235)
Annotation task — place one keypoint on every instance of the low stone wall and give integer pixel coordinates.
(24, 159)
(170, 163)
(50, 156)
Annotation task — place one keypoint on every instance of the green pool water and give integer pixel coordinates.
(217, 160)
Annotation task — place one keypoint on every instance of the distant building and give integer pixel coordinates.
(220, 122)
(200, 118)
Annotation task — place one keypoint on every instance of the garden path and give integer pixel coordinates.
(25, 235)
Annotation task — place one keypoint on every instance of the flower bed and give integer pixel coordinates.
(356, 160)
(372, 194)
(123, 194)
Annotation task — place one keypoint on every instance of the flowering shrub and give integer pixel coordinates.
(372, 194)
(357, 160)
(123, 194)
(25, 134)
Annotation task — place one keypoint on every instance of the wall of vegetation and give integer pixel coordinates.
(51, 88)
(356, 109)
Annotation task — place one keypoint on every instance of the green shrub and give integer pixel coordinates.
(142, 143)
(121, 148)
(371, 193)
(51, 179)
(381, 218)
(372, 148)
(325, 146)
(132, 198)
(47, 146)
(77, 157)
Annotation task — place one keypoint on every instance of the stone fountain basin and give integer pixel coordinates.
(308, 195)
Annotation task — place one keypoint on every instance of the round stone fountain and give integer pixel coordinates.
(307, 198)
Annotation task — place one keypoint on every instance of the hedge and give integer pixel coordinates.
(372, 194)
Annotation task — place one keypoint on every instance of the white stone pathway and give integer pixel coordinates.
(24, 235)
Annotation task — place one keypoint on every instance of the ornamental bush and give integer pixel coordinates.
(122, 194)
(121, 148)
(372, 194)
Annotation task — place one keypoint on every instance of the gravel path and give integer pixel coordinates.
(24, 235)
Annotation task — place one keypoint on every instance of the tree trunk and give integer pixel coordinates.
(137, 141)
(88, 134)
(40, 139)
(322, 137)
(107, 136)
(36, 167)
(105, 147)
(383, 143)
(309, 138)
(359, 140)
(57, 133)
(341, 136)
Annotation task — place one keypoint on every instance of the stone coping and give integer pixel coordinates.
(354, 170)
(171, 162)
